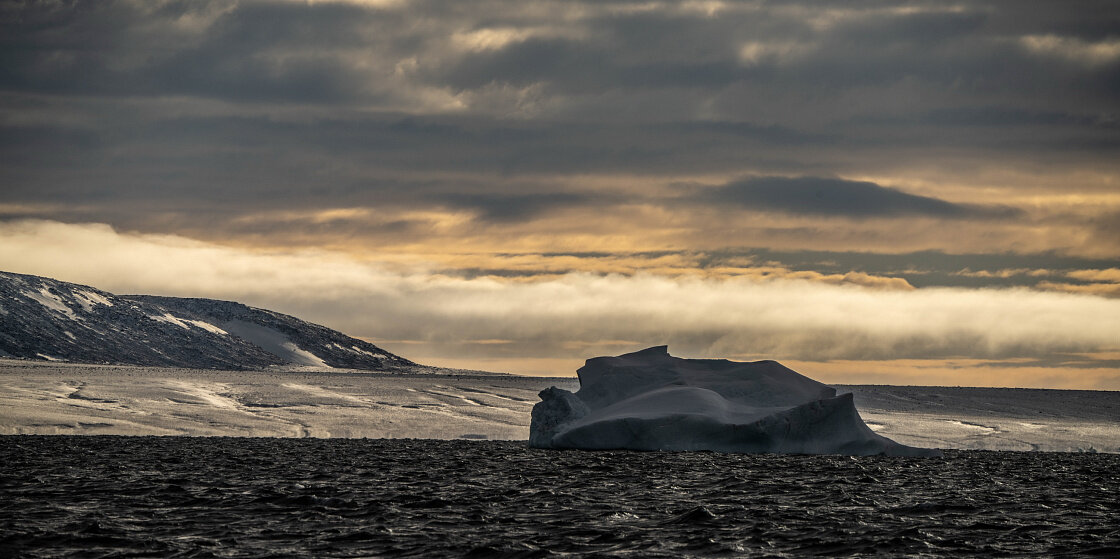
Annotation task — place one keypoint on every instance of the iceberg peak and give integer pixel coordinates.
(650, 400)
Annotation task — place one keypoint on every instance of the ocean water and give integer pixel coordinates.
(63, 496)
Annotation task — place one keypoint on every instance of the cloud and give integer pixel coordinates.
(1106, 228)
(252, 51)
(840, 198)
(197, 110)
(684, 60)
(474, 137)
(1111, 275)
(1100, 289)
(1004, 274)
(512, 207)
(1074, 49)
(783, 318)
(1103, 282)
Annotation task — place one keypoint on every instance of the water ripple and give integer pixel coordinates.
(235, 497)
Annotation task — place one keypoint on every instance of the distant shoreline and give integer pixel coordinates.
(71, 398)
(432, 371)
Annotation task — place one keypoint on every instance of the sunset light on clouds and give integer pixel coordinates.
(893, 193)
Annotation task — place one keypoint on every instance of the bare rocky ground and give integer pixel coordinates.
(65, 398)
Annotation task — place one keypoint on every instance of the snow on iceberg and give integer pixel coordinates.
(650, 400)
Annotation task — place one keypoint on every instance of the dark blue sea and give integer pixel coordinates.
(98, 496)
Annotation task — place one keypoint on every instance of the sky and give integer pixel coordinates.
(868, 191)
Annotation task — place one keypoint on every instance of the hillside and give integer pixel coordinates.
(47, 319)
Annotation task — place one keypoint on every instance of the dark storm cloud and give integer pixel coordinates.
(1107, 228)
(639, 51)
(952, 54)
(839, 198)
(211, 107)
(512, 207)
(258, 51)
(361, 159)
(338, 52)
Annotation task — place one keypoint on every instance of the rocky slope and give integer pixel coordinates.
(47, 319)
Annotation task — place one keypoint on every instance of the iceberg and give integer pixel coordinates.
(650, 400)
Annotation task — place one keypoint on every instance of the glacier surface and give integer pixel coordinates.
(650, 400)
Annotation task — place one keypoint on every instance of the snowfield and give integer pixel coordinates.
(67, 398)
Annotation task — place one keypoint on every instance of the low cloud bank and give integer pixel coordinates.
(782, 318)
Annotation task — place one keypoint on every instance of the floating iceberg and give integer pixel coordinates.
(650, 400)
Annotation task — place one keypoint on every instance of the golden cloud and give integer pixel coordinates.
(781, 314)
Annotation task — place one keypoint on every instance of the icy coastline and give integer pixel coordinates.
(650, 400)
(71, 398)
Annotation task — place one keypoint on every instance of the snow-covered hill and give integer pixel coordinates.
(47, 319)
